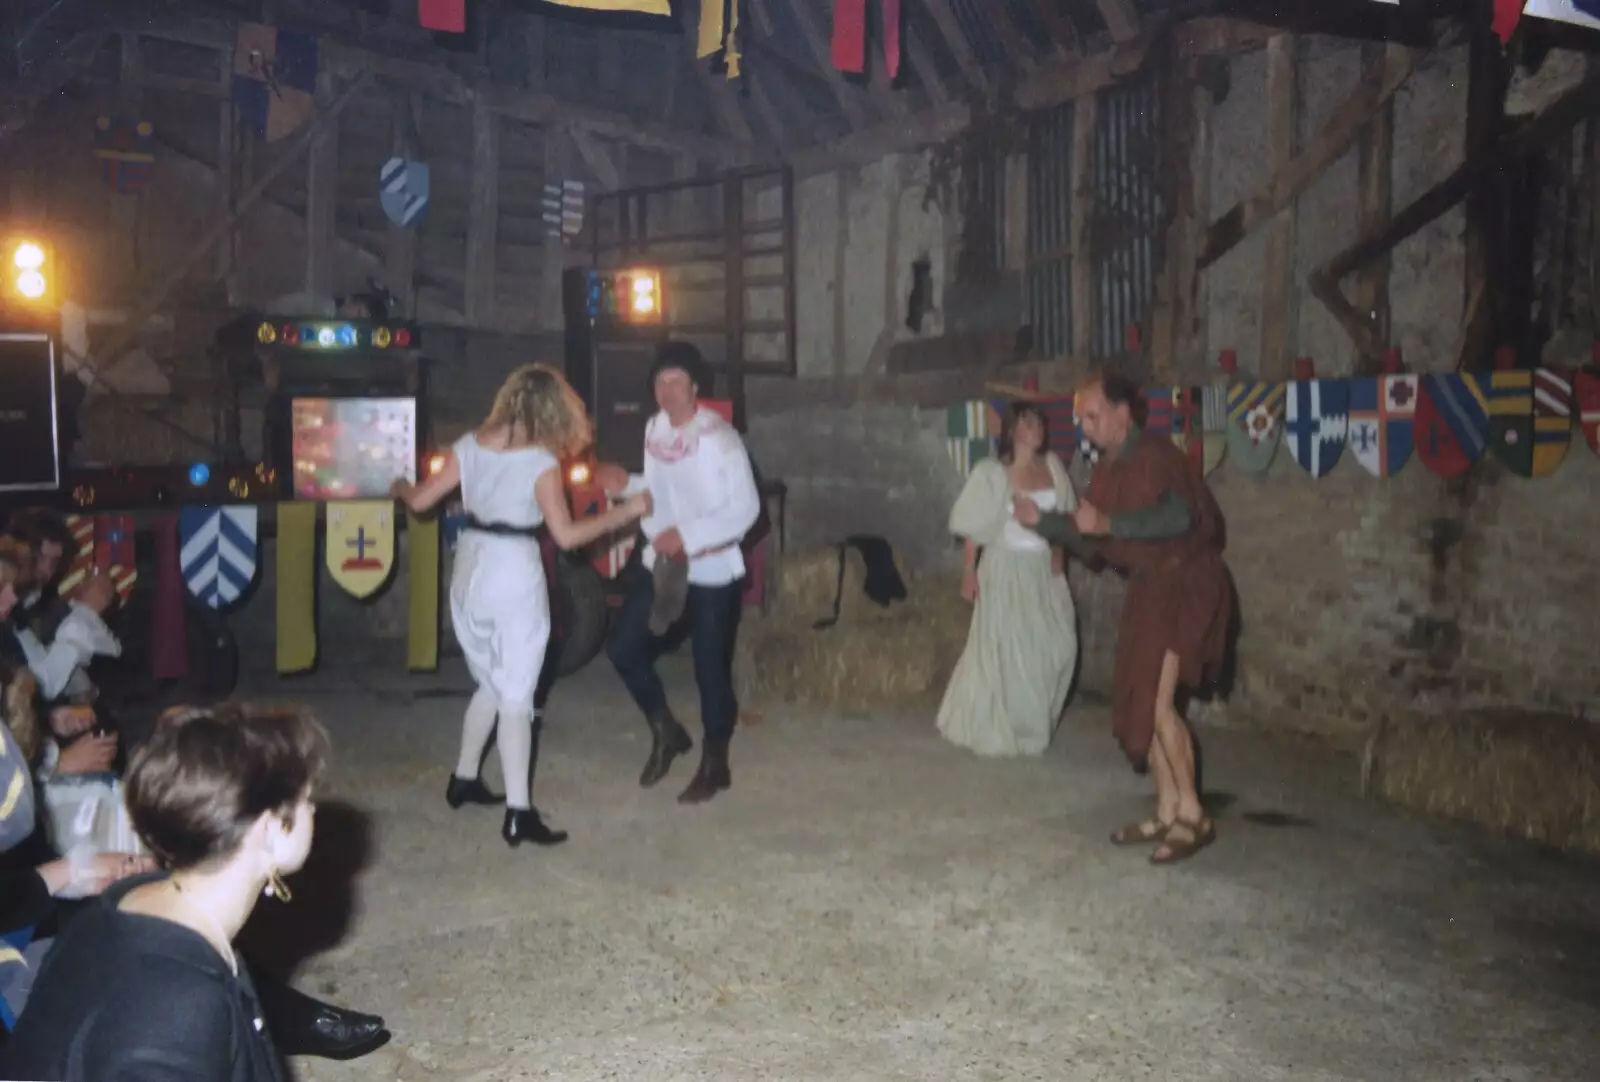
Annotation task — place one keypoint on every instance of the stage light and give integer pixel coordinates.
(291, 335)
(308, 334)
(402, 338)
(199, 474)
(29, 269)
(31, 284)
(381, 337)
(435, 464)
(266, 334)
(579, 473)
(325, 338)
(347, 336)
(28, 256)
(643, 289)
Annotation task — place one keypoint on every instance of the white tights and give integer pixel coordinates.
(515, 741)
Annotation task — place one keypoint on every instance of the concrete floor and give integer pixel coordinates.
(872, 903)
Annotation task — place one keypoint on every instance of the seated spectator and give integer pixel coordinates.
(144, 982)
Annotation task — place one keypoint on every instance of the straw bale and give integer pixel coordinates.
(809, 580)
(1529, 776)
(872, 657)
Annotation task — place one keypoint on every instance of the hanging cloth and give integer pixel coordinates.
(850, 35)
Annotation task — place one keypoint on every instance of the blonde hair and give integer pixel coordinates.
(17, 705)
(537, 405)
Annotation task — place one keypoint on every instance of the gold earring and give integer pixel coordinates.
(276, 887)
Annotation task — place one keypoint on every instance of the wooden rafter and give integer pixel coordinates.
(922, 60)
(955, 40)
(435, 80)
(843, 92)
(1329, 145)
(1011, 37)
(1061, 32)
(1121, 18)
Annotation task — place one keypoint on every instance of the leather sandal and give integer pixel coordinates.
(1201, 834)
(1142, 833)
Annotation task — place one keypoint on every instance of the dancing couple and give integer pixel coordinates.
(695, 502)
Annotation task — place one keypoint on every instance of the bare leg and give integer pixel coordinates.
(1177, 749)
(1166, 785)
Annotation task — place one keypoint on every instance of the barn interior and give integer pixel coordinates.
(880, 221)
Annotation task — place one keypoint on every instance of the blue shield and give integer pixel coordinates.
(403, 190)
(217, 552)
(1316, 417)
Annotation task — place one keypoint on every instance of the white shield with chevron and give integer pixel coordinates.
(218, 552)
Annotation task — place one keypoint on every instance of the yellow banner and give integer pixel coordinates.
(710, 27)
(422, 631)
(297, 586)
(360, 544)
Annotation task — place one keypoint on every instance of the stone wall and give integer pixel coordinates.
(1359, 598)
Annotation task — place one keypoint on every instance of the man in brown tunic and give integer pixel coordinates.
(1150, 515)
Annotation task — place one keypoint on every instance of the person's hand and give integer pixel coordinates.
(639, 505)
(401, 489)
(96, 592)
(1091, 521)
(611, 478)
(68, 721)
(1025, 510)
(969, 584)
(111, 867)
(91, 755)
(668, 543)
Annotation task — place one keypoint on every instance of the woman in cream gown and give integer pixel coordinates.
(1010, 686)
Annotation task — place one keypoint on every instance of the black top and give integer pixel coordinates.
(123, 997)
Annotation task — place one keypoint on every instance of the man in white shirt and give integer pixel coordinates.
(705, 501)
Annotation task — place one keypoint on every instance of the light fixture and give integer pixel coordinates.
(28, 256)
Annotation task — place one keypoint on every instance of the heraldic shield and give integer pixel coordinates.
(1452, 423)
(1383, 415)
(126, 151)
(1530, 420)
(360, 545)
(1316, 417)
(217, 552)
(1214, 423)
(1255, 414)
(1586, 390)
(1552, 419)
(1175, 412)
(403, 188)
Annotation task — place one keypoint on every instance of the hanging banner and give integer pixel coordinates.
(360, 544)
(1214, 424)
(274, 79)
(643, 7)
(850, 35)
(1586, 392)
(114, 553)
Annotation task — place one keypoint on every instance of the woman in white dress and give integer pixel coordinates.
(509, 472)
(1011, 684)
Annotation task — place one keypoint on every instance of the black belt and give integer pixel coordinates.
(501, 529)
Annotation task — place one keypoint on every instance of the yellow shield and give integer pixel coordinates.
(360, 545)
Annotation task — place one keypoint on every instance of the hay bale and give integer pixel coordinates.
(873, 657)
(1528, 776)
(809, 580)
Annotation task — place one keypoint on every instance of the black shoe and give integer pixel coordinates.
(712, 777)
(524, 825)
(469, 791)
(668, 740)
(309, 1027)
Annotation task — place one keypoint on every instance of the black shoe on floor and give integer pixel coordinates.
(524, 825)
(712, 777)
(469, 791)
(668, 740)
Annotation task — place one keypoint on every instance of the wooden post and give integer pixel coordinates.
(1084, 111)
(400, 251)
(1370, 290)
(322, 197)
(228, 178)
(1176, 166)
(557, 167)
(733, 223)
(123, 220)
(111, 353)
(1193, 346)
(483, 213)
(1487, 75)
(1277, 293)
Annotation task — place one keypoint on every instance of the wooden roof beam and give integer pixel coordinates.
(1122, 19)
(956, 40)
(843, 92)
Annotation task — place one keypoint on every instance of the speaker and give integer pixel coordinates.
(623, 400)
(30, 449)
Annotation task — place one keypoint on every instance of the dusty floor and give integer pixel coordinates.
(872, 903)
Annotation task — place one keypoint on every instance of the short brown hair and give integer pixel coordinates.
(35, 526)
(206, 775)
